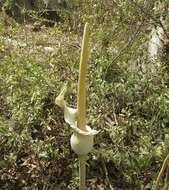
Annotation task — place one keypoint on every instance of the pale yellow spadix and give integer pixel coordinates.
(81, 95)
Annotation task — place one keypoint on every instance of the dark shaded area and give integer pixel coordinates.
(49, 17)
(27, 10)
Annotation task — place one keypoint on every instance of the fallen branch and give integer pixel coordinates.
(106, 175)
(161, 173)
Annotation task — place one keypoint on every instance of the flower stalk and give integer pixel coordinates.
(81, 101)
(83, 136)
(82, 172)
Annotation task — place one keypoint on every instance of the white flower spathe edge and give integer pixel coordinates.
(70, 116)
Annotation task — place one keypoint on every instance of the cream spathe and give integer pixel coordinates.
(81, 141)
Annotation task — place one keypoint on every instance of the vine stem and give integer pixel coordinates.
(82, 172)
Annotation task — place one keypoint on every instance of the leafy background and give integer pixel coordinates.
(128, 96)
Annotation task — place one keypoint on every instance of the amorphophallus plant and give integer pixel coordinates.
(82, 138)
